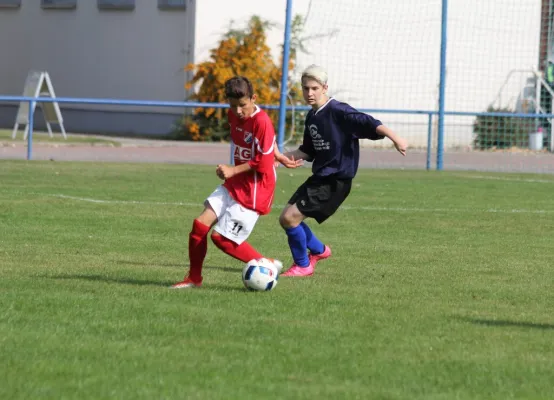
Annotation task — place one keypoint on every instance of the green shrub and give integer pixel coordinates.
(501, 132)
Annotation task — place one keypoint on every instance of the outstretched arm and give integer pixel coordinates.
(297, 155)
(291, 159)
(400, 143)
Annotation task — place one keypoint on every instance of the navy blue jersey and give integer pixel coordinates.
(331, 136)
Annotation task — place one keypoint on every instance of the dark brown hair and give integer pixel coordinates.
(238, 87)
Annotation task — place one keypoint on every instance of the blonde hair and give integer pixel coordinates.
(316, 73)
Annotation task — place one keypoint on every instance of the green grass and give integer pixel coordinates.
(440, 287)
(57, 138)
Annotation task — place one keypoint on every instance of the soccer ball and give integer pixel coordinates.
(260, 274)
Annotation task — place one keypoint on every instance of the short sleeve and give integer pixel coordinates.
(264, 142)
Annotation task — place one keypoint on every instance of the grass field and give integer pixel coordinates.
(57, 138)
(440, 287)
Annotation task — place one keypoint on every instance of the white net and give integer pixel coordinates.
(386, 55)
(379, 56)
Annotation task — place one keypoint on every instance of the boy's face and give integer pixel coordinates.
(243, 107)
(315, 94)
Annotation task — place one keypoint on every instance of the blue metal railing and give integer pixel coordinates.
(189, 104)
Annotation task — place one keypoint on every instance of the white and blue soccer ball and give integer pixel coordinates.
(260, 274)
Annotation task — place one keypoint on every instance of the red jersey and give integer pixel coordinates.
(253, 140)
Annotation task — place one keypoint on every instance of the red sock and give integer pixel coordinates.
(198, 246)
(243, 252)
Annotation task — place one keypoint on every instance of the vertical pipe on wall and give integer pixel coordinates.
(285, 76)
(442, 85)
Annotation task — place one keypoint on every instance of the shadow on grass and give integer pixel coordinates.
(502, 323)
(224, 288)
(158, 264)
(148, 264)
(141, 282)
(107, 279)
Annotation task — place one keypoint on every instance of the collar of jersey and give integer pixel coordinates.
(323, 106)
(257, 110)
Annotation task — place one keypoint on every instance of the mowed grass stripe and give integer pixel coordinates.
(412, 305)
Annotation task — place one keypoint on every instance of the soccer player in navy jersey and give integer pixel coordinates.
(331, 133)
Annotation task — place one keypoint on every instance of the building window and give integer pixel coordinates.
(10, 3)
(63, 4)
(116, 4)
(172, 4)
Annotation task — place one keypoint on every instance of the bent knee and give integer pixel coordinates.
(284, 220)
(216, 237)
(287, 219)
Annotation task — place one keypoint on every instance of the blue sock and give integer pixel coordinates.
(312, 242)
(297, 244)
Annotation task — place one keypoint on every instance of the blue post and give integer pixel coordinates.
(429, 139)
(30, 124)
(284, 77)
(442, 86)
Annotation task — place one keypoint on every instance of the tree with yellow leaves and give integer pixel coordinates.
(240, 52)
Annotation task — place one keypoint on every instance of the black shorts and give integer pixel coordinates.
(320, 197)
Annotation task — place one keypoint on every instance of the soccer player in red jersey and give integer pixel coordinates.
(248, 188)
